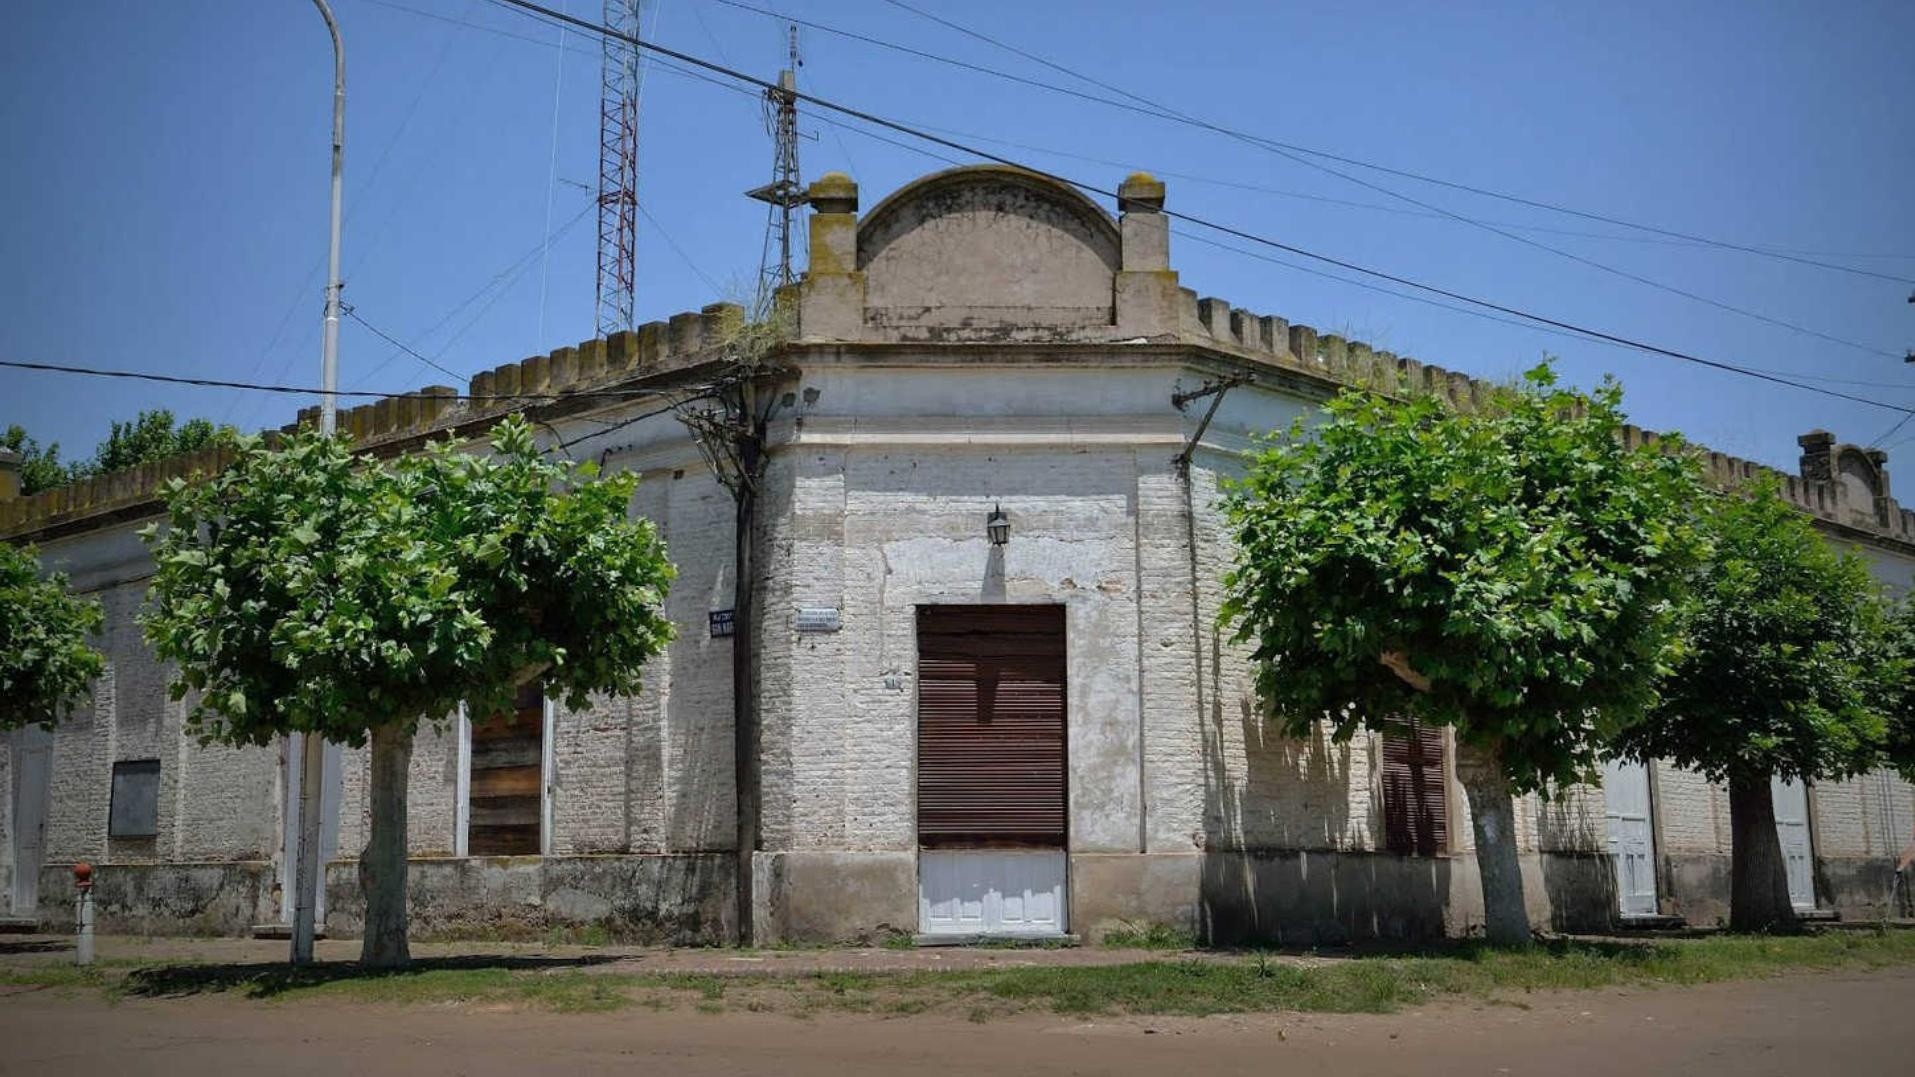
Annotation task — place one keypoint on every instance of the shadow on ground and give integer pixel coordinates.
(268, 979)
(35, 946)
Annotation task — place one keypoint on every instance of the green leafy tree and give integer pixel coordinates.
(309, 590)
(1789, 646)
(46, 664)
(40, 469)
(152, 436)
(1514, 573)
(1897, 688)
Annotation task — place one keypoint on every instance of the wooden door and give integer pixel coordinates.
(1792, 828)
(1625, 787)
(32, 765)
(991, 769)
(332, 787)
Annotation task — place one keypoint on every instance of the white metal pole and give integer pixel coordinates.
(312, 749)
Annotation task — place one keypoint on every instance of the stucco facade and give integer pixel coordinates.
(982, 339)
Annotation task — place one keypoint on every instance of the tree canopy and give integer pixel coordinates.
(307, 589)
(46, 663)
(1515, 574)
(150, 436)
(1789, 648)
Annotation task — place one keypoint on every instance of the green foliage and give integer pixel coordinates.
(1520, 559)
(1789, 645)
(308, 589)
(152, 436)
(46, 665)
(40, 469)
(1897, 686)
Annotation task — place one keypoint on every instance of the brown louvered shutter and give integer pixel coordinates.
(991, 726)
(508, 757)
(1415, 794)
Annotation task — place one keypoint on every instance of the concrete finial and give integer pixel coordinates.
(1140, 192)
(9, 474)
(833, 192)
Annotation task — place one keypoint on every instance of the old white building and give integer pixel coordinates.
(992, 694)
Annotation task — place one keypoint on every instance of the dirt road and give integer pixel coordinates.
(1794, 1026)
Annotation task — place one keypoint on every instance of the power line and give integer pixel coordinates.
(1152, 108)
(1195, 238)
(307, 390)
(1229, 230)
(1307, 162)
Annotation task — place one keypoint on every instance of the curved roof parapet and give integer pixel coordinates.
(988, 245)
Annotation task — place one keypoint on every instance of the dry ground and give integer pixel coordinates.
(1795, 1025)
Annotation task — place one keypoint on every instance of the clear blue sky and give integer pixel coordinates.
(165, 180)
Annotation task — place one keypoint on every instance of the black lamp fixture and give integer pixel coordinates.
(998, 526)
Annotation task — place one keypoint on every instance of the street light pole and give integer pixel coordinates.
(312, 749)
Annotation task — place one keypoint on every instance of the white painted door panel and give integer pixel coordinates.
(1631, 845)
(1792, 828)
(291, 773)
(991, 892)
(32, 763)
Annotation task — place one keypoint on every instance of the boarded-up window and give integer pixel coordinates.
(135, 808)
(991, 726)
(1415, 795)
(508, 755)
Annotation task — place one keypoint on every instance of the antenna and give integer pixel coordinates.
(618, 170)
(783, 194)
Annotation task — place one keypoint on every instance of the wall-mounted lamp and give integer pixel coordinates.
(998, 526)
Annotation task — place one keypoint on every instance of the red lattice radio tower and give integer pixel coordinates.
(618, 170)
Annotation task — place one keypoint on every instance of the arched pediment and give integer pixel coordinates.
(988, 245)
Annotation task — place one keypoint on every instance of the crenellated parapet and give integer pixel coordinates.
(989, 256)
(652, 350)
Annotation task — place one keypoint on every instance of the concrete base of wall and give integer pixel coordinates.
(164, 899)
(1293, 898)
(679, 899)
(1696, 887)
(1226, 898)
(834, 896)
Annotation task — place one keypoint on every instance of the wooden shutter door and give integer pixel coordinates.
(1415, 792)
(991, 727)
(508, 796)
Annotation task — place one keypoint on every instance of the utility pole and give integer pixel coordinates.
(312, 749)
(783, 194)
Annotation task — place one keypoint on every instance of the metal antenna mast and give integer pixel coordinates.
(784, 193)
(618, 170)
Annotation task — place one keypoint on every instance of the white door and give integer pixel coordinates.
(991, 892)
(291, 771)
(1792, 827)
(32, 761)
(1625, 789)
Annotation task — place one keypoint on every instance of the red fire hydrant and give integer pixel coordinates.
(83, 912)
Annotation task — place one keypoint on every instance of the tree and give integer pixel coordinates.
(1789, 647)
(152, 436)
(1513, 573)
(46, 663)
(1897, 690)
(310, 590)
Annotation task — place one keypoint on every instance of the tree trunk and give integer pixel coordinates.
(382, 867)
(1758, 877)
(1493, 819)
